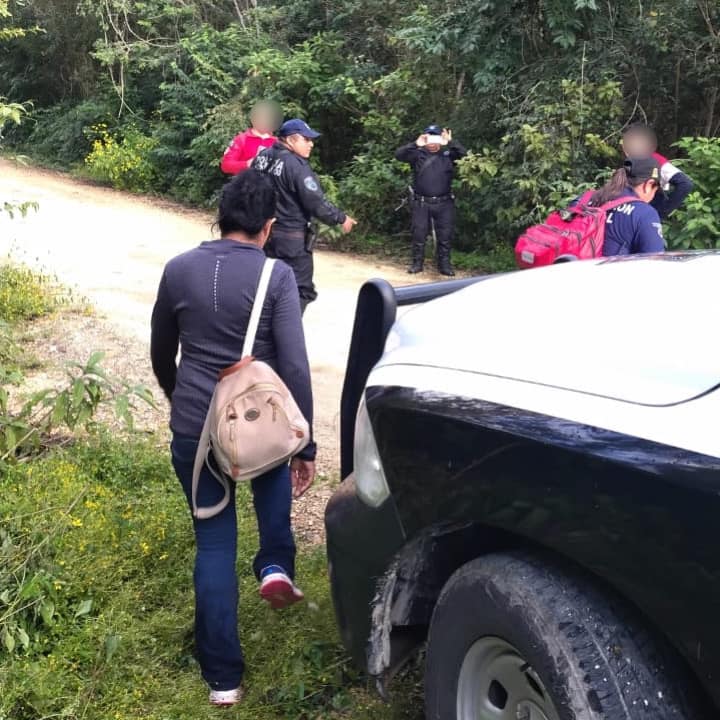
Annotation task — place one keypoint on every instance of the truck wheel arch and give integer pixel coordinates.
(583, 652)
(408, 592)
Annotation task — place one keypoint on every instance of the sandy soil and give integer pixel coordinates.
(110, 248)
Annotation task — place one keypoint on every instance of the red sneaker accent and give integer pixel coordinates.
(278, 590)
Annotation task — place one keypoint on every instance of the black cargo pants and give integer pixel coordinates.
(289, 246)
(442, 214)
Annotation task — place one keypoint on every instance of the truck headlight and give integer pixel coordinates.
(370, 483)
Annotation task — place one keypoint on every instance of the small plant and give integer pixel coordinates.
(21, 209)
(125, 164)
(9, 352)
(72, 406)
(24, 294)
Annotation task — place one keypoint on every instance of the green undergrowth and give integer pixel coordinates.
(32, 422)
(500, 258)
(96, 602)
(26, 295)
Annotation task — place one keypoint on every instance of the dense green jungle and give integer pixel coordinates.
(145, 95)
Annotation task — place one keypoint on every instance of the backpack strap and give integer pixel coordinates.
(584, 199)
(201, 458)
(582, 202)
(426, 164)
(204, 448)
(612, 204)
(257, 307)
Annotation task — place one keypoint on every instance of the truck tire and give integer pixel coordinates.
(514, 637)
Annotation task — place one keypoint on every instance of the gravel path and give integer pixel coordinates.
(110, 248)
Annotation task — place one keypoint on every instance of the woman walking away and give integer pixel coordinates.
(633, 227)
(203, 304)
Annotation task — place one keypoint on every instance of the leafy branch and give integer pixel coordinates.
(87, 389)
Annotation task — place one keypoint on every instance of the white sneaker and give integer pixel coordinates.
(278, 589)
(224, 698)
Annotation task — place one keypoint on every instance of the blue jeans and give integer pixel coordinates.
(216, 584)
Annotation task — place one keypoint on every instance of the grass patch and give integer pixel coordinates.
(10, 351)
(24, 294)
(500, 258)
(96, 606)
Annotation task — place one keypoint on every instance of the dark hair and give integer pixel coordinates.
(247, 202)
(615, 187)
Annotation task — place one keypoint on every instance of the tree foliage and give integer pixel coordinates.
(538, 90)
(11, 113)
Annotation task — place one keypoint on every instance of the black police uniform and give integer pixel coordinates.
(432, 199)
(299, 199)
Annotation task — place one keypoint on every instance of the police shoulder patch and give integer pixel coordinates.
(310, 184)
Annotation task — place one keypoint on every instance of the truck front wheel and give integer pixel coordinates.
(513, 637)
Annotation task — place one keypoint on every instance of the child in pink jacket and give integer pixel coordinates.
(264, 121)
(640, 140)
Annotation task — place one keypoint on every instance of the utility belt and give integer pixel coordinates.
(308, 235)
(430, 199)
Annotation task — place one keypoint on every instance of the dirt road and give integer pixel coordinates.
(111, 247)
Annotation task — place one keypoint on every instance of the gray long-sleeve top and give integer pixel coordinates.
(203, 304)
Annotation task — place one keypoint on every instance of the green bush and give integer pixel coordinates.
(126, 164)
(201, 180)
(202, 106)
(538, 91)
(96, 608)
(696, 224)
(25, 294)
(28, 423)
(56, 136)
(553, 147)
(368, 178)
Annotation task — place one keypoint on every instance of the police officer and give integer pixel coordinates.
(432, 158)
(299, 199)
(635, 226)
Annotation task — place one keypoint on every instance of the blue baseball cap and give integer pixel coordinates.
(297, 127)
(432, 130)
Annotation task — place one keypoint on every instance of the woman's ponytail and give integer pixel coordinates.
(612, 189)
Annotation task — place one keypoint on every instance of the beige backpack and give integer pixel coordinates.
(253, 423)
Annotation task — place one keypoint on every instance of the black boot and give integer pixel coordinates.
(445, 268)
(443, 257)
(417, 259)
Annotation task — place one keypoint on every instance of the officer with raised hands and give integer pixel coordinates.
(432, 158)
(300, 199)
